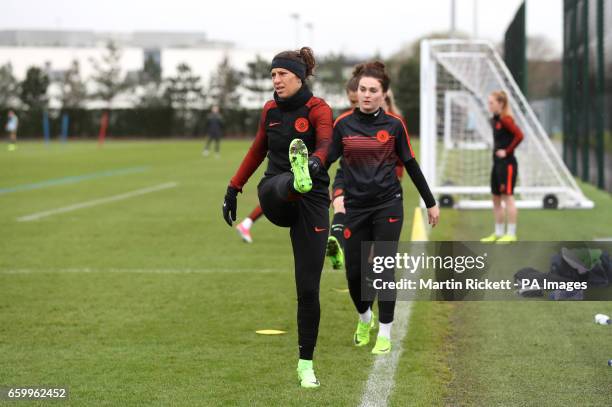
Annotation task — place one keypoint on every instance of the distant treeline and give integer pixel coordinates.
(155, 122)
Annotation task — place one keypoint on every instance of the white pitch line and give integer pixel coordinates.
(382, 376)
(127, 195)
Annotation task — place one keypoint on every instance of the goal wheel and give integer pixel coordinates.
(446, 201)
(550, 201)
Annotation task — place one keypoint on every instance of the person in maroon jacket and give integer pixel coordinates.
(506, 137)
(293, 121)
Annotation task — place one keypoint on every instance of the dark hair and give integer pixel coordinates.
(304, 55)
(373, 69)
(353, 84)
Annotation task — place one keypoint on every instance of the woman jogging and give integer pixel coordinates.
(506, 137)
(294, 133)
(370, 142)
(335, 241)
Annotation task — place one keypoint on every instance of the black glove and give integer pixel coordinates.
(230, 204)
(314, 165)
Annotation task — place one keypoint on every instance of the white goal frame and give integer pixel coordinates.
(542, 173)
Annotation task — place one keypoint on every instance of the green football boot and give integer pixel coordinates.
(506, 239)
(306, 374)
(490, 239)
(383, 346)
(298, 158)
(335, 253)
(362, 334)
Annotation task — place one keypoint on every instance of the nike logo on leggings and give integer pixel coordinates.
(393, 220)
(318, 229)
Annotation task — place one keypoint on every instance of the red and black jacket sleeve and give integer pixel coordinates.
(404, 151)
(321, 118)
(517, 134)
(335, 150)
(256, 154)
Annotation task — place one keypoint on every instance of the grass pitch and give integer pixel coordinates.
(153, 300)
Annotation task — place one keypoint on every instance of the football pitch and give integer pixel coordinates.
(120, 280)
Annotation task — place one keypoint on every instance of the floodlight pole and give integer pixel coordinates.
(310, 28)
(475, 19)
(453, 26)
(296, 17)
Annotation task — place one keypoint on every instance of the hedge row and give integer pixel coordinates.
(128, 123)
(145, 123)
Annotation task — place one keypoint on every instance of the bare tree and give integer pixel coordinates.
(108, 75)
(73, 89)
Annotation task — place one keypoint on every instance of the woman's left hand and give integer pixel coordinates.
(433, 214)
(501, 153)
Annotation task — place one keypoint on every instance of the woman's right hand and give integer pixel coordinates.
(230, 205)
(433, 214)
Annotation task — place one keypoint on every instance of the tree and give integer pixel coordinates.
(331, 74)
(33, 92)
(184, 91)
(224, 85)
(73, 89)
(107, 75)
(258, 79)
(150, 84)
(407, 90)
(9, 87)
(541, 48)
(151, 71)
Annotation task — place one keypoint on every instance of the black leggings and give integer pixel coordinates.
(383, 227)
(216, 140)
(307, 216)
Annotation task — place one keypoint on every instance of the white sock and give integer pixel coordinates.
(499, 229)
(366, 316)
(385, 330)
(512, 229)
(247, 223)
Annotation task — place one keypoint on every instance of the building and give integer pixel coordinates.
(55, 51)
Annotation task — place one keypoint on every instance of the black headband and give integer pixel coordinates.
(294, 66)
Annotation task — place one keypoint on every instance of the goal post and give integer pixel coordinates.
(457, 77)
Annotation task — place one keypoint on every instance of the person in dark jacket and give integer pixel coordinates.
(370, 142)
(214, 130)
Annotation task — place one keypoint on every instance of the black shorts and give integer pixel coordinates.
(503, 176)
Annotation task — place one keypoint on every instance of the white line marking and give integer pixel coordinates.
(382, 377)
(139, 271)
(381, 380)
(127, 195)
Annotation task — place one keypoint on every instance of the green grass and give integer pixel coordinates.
(153, 300)
(529, 353)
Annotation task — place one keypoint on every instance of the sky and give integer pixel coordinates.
(356, 27)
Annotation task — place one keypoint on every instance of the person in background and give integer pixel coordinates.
(335, 241)
(12, 124)
(506, 136)
(214, 131)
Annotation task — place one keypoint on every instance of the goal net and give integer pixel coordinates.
(457, 78)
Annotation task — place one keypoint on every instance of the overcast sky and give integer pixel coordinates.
(354, 27)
